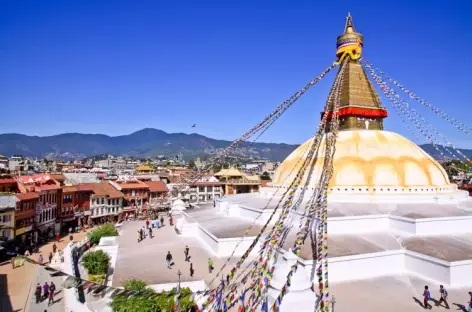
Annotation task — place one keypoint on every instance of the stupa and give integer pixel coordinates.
(391, 207)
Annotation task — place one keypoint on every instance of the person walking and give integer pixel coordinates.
(162, 220)
(50, 257)
(147, 223)
(150, 232)
(171, 220)
(138, 233)
(426, 298)
(186, 252)
(169, 260)
(46, 290)
(442, 296)
(58, 237)
(52, 290)
(470, 301)
(192, 271)
(54, 248)
(210, 265)
(37, 293)
(40, 259)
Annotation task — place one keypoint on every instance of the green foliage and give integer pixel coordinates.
(265, 176)
(99, 278)
(217, 167)
(96, 262)
(102, 231)
(191, 164)
(148, 300)
(454, 166)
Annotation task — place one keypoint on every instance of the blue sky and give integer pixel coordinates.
(115, 67)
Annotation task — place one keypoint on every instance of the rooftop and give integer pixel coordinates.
(27, 196)
(156, 186)
(105, 189)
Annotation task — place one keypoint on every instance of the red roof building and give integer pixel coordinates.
(25, 214)
(8, 184)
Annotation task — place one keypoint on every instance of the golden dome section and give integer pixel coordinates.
(369, 159)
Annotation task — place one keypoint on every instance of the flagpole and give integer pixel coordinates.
(178, 293)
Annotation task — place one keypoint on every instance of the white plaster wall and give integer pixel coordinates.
(227, 245)
(405, 225)
(208, 239)
(190, 229)
(441, 226)
(427, 267)
(194, 286)
(461, 273)
(365, 266)
(363, 224)
(71, 303)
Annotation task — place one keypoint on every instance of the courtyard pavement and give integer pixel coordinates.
(147, 260)
(17, 293)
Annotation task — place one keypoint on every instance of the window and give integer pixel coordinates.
(103, 200)
(93, 201)
(201, 189)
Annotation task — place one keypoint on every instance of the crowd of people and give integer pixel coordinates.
(443, 297)
(47, 291)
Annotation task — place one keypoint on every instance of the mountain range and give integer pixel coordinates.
(144, 143)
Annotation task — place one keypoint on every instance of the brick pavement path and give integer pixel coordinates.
(58, 306)
(19, 280)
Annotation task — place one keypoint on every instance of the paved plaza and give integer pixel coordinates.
(147, 260)
(18, 292)
(393, 294)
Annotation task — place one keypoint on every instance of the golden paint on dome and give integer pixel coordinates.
(369, 159)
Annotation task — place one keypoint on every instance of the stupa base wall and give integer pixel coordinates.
(383, 195)
(353, 267)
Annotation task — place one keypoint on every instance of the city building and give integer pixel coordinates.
(68, 208)
(106, 203)
(16, 163)
(143, 169)
(4, 164)
(205, 189)
(50, 194)
(135, 192)
(8, 184)
(237, 182)
(7, 217)
(25, 215)
(47, 208)
(83, 194)
(158, 194)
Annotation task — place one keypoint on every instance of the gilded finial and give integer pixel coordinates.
(349, 27)
(350, 42)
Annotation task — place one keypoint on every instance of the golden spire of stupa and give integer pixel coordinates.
(360, 106)
(349, 28)
(350, 42)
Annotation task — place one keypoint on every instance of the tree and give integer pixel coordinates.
(454, 166)
(147, 300)
(96, 262)
(105, 230)
(265, 176)
(191, 164)
(217, 168)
